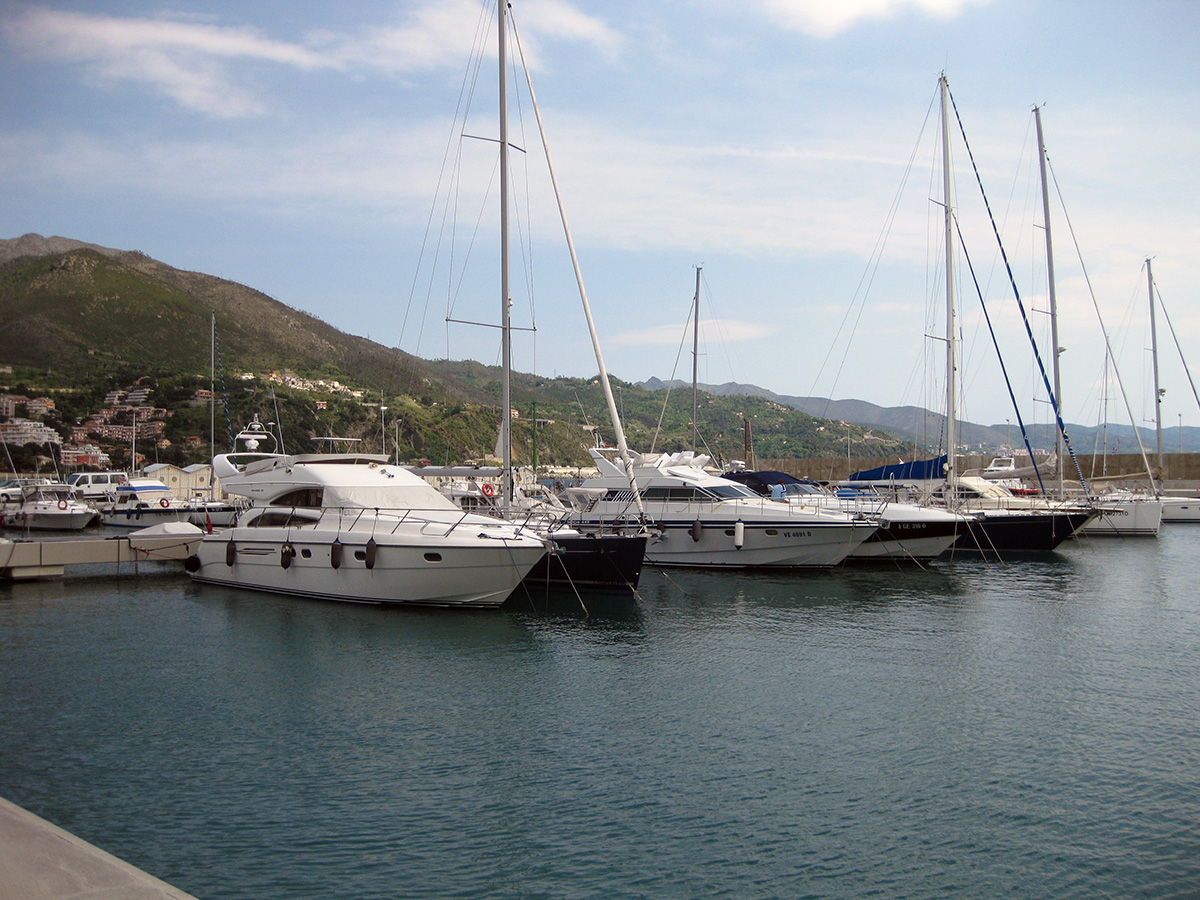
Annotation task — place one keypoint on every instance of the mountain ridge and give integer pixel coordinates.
(89, 319)
(923, 427)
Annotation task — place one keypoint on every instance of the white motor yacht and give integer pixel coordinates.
(51, 506)
(907, 532)
(700, 519)
(351, 527)
(141, 502)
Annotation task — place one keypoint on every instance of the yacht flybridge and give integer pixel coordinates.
(700, 519)
(351, 527)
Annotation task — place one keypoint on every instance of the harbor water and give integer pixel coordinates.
(969, 730)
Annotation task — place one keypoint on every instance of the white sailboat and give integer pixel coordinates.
(611, 560)
(1122, 513)
(997, 521)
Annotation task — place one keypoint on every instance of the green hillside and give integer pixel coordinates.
(80, 321)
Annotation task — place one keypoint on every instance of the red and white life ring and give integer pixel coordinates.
(62, 504)
(164, 502)
(488, 489)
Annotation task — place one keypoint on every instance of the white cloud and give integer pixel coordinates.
(825, 19)
(202, 66)
(187, 62)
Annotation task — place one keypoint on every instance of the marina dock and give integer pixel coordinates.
(22, 560)
(40, 861)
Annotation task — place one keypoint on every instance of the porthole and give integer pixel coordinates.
(360, 555)
(433, 557)
(772, 532)
(306, 553)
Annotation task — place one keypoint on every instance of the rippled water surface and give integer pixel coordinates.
(1027, 729)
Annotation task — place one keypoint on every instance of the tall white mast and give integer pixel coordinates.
(1059, 448)
(951, 385)
(1158, 393)
(695, 355)
(606, 385)
(505, 328)
(212, 399)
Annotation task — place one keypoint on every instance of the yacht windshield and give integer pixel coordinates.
(730, 492)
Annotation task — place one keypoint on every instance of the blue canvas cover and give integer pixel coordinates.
(918, 470)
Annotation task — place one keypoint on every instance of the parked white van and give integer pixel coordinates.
(96, 485)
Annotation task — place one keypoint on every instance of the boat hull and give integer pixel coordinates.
(1139, 517)
(402, 567)
(909, 541)
(1020, 530)
(52, 519)
(785, 544)
(589, 562)
(1181, 509)
(143, 517)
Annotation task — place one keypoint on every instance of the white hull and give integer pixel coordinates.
(1136, 517)
(143, 517)
(410, 565)
(52, 519)
(1181, 509)
(782, 544)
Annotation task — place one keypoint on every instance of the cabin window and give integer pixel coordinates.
(621, 495)
(283, 519)
(308, 497)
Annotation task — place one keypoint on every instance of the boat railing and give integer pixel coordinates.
(385, 520)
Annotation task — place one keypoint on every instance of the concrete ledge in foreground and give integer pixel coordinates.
(40, 861)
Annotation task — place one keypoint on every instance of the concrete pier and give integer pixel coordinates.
(21, 560)
(40, 861)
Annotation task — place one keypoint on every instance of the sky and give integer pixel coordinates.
(789, 148)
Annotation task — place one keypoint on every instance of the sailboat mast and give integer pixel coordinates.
(1154, 357)
(951, 386)
(212, 399)
(1037, 116)
(605, 384)
(505, 304)
(695, 355)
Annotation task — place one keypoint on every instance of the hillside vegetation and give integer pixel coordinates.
(81, 320)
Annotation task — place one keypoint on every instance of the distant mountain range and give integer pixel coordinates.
(923, 427)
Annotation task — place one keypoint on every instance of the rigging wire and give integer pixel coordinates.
(671, 381)
(1175, 338)
(1007, 383)
(465, 95)
(1096, 306)
(1021, 306)
(867, 279)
